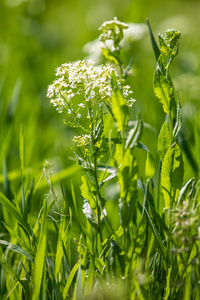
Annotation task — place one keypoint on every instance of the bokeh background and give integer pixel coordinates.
(36, 36)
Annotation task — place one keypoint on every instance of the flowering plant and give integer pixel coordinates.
(94, 98)
(85, 93)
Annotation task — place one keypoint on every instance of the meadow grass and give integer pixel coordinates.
(136, 233)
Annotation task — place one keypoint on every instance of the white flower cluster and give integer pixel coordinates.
(90, 82)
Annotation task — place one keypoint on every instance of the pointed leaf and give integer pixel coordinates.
(69, 280)
(162, 89)
(134, 134)
(127, 175)
(16, 248)
(153, 41)
(149, 166)
(167, 291)
(109, 55)
(40, 255)
(186, 189)
(119, 108)
(16, 213)
(156, 234)
(171, 174)
(163, 141)
(88, 191)
(178, 123)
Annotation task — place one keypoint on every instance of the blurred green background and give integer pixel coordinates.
(39, 35)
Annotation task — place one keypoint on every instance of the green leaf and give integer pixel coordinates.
(185, 146)
(15, 213)
(113, 175)
(134, 134)
(83, 163)
(149, 166)
(98, 131)
(69, 280)
(21, 148)
(17, 249)
(109, 55)
(84, 262)
(156, 234)
(62, 241)
(172, 174)
(90, 279)
(167, 292)
(162, 89)
(142, 146)
(127, 177)
(15, 234)
(188, 286)
(78, 290)
(21, 142)
(88, 191)
(117, 261)
(163, 141)
(153, 41)
(187, 188)
(178, 123)
(40, 255)
(119, 108)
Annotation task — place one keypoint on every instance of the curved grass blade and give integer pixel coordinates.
(134, 134)
(16, 214)
(70, 278)
(157, 236)
(16, 249)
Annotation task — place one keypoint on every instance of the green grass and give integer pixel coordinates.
(147, 246)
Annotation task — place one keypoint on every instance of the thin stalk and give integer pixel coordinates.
(147, 231)
(96, 177)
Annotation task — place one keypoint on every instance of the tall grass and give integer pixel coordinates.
(139, 235)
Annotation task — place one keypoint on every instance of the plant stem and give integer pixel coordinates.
(98, 197)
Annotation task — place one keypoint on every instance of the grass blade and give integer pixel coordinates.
(16, 248)
(40, 256)
(156, 235)
(153, 41)
(15, 213)
(69, 280)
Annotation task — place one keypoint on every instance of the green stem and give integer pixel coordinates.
(98, 197)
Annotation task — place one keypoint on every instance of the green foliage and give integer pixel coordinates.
(149, 166)
(162, 89)
(39, 268)
(163, 141)
(119, 107)
(172, 174)
(103, 234)
(134, 134)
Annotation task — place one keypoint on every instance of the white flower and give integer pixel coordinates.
(84, 78)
